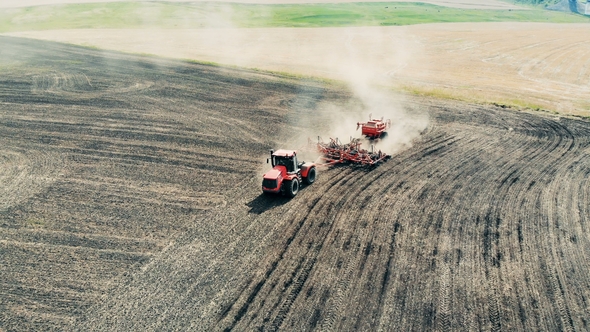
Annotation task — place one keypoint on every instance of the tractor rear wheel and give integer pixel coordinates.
(292, 187)
(311, 175)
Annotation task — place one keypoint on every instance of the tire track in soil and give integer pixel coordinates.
(349, 262)
(565, 145)
(415, 162)
(550, 275)
(493, 253)
(569, 241)
(421, 168)
(293, 226)
(362, 247)
(308, 221)
(24, 173)
(443, 313)
(364, 197)
(342, 286)
(554, 275)
(388, 177)
(493, 315)
(420, 193)
(341, 202)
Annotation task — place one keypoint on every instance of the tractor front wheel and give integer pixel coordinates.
(292, 187)
(311, 175)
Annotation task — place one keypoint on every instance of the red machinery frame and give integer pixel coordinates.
(334, 152)
(374, 128)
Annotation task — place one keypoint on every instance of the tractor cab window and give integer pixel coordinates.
(289, 163)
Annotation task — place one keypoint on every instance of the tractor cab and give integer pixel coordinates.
(285, 158)
(286, 173)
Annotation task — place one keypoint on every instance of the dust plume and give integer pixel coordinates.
(367, 81)
(352, 55)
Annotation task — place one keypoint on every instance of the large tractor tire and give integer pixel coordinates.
(292, 187)
(311, 175)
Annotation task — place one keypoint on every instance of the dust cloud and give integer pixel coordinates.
(354, 56)
(344, 57)
(368, 81)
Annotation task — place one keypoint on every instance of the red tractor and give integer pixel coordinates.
(286, 175)
(374, 128)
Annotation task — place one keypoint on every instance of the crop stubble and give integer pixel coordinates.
(131, 200)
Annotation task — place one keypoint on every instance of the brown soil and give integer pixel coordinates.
(131, 201)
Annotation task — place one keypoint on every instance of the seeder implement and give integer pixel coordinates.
(374, 128)
(334, 152)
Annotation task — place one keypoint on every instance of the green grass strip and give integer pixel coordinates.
(118, 15)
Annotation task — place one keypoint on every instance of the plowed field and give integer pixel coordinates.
(130, 201)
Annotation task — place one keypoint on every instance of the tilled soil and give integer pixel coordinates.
(130, 200)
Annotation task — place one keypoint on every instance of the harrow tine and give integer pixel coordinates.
(336, 153)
